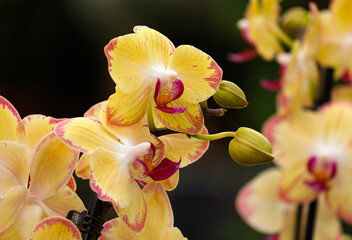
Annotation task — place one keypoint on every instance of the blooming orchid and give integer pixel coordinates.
(158, 223)
(151, 74)
(30, 158)
(314, 150)
(260, 205)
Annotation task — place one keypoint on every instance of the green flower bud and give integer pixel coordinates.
(250, 148)
(294, 21)
(229, 95)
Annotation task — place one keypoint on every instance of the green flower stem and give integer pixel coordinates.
(212, 137)
(151, 123)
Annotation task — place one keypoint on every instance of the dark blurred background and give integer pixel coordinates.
(52, 62)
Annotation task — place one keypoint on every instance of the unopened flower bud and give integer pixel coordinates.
(250, 148)
(229, 95)
(294, 21)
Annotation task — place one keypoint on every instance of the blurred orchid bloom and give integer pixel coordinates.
(150, 73)
(260, 29)
(336, 47)
(34, 172)
(54, 228)
(158, 223)
(314, 150)
(259, 204)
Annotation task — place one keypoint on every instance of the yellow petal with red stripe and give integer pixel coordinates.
(191, 121)
(55, 228)
(51, 157)
(128, 60)
(85, 134)
(188, 149)
(94, 111)
(198, 72)
(9, 120)
(160, 47)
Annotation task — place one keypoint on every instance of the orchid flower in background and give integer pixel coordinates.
(109, 161)
(260, 29)
(260, 205)
(335, 50)
(31, 156)
(151, 74)
(158, 224)
(314, 151)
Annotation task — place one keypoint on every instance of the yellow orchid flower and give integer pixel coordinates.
(34, 173)
(336, 44)
(158, 223)
(150, 73)
(314, 151)
(259, 204)
(55, 228)
(260, 28)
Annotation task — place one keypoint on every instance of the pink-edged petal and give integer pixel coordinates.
(160, 47)
(268, 129)
(293, 186)
(117, 229)
(135, 214)
(11, 204)
(128, 59)
(72, 184)
(127, 109)
(198, 72)
(31, 214)
(9, 120)
(244, 56)
(94, 111)
(85, 134)
(56, 228)
(51, 167)
(191, 121)
(271, 85)
(171, 183)
(62, 202)
(14, 160)
(258, 202)
(83, 167)
(108, 170)
(189, 149)
(164, 170)
(35, 128)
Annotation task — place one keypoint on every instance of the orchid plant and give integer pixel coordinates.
(310, 133)
(129, 147)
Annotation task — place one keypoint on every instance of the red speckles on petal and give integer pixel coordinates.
(215, 78)
(109, 48)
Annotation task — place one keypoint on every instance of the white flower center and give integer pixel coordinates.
(165, 75)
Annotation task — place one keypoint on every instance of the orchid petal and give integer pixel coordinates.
(243, 56)
(35, 128)
(258, 200)
(340, 10)
(14, 159)
(108, 170)
(271, 85)
(94, 111)
(135, 214)
(31, 214)
(9, 120)
(176, 234)
(189, 149)
(85, 134)
(51, 157)
(168, 93)
(117, 229)
(83, 167)
(56, 228)
(160, 47)
(63, 201)
(198, 72)
(293, 187)
(191, 121)
(72, 184)
(164, 170)
(11, 205)
(128, 58)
